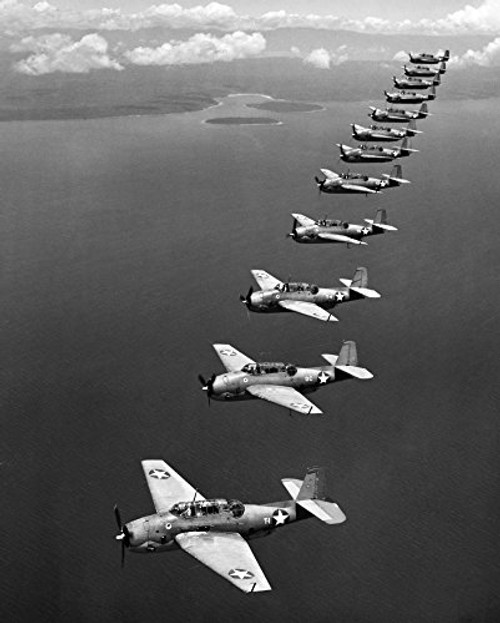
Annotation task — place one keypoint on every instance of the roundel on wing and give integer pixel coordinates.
(159, 474)
(241, 574)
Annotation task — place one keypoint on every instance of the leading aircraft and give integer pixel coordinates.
(381, 133)
(375, 153)
(429, 59)
(215, 531)
(327, 231)
(411, 82)
(304, 298)
(425, 72)
(397, 97)
(277, 382)
(398, 115)
(356, 182)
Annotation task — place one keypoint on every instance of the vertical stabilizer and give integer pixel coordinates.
(381, 217)
(348, 355)
(313, 486)
(360, 279)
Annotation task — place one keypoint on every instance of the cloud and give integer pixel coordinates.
(58, 52)
(322, 59)
(200, 48)
(489, 56)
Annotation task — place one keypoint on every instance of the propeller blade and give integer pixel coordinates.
(202, 380)
(117, 517)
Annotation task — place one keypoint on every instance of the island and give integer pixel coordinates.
(286, 106)
(243, 121)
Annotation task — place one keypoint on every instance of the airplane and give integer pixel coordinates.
(398, 115)
(304, 298)
(425, 72)
(412, 82)
(374, 153)
(356, 182)
(410, 98)
(215, 531)
(309, 231)
(380, 133)
(279, 383)
(429, 59)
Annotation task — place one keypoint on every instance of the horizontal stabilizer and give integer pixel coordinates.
(329, 512)
(398, 180)
(366, 292)
(381, 225)
(332, 359)
(346, 282)
(292, 485)
(357, 373)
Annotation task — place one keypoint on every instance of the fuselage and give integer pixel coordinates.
(413, 83)
(338, 185)
(156, 533)
(427, 59)
(379, 133)
(408, 98)
(396, 115)
(424, 72)
(310, 234)
(365, 153)
(267, 301)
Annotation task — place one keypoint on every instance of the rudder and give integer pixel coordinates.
(348, 355)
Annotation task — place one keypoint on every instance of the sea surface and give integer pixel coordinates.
(124, 244)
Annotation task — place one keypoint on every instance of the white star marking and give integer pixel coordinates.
(241, 574)
(160, 474)
(280, 517)
(365, 231)
(340, 296)
(323, 378)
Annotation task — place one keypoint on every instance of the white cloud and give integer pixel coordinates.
(401, 57)
(200, 48)
(489, 56)
(323, 59)
(59, 52)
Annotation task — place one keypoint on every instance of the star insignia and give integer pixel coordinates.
(339, 296)
(280, 517)
(241, 574)
(365, 231)
(323, 378)
(159, 474)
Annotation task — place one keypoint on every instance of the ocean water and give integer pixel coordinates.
(124, 246)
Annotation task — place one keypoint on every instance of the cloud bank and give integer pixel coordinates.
(201, 48)
(489, 56)
(323, 59)
(59, 52)
(18, 16)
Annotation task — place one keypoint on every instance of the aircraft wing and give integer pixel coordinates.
(285, 397)
(265, 280)
(340, 238)
(358, 188)
(167, 486)
(305, 221)
(308, 309)
(231, 358)
(330, 175)
(229, 555)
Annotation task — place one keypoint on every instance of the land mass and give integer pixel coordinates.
(285, 106)
(243, 121)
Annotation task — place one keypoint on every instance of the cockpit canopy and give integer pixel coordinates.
(326, 222)
(268, 367)
(297, 287)
(206, 508)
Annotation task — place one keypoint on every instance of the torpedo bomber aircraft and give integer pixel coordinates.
(374, 153)
(278, 382)
(304, 298)
(425, 72)
(323, 231)
(398, 115)
(415, 83)
(215, 531)
(429, 59)
(403, 97)
(383, 133)
(356, 182)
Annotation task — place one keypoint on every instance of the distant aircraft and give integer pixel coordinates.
(412, 82)
(356, 182)
(429, 59)
(425, 72)
(278, 382)
(374, 153)
(309, 231)
(381, 133)
(404, 97)
(398, 115)
(304, 298)
(215, 531)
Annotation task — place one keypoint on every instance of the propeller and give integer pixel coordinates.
(123, 536)
(319, 184)
(246, 299)
(293, 233)
(207, 385)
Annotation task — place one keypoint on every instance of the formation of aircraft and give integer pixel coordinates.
(359, 183)
(307, 230)
(398, 115)
(375, 153)
(429, 59)
(280, 383)
(383, 133)
(304, 298)
(400, 97)
(216, 531)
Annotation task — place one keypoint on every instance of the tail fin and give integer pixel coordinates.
(432, 93)
(311, 496)
(380, 222)
(442, 67)
(424, 109)
(347, 364)
(359, 285)
(381, 217)
(404, 143)
(395, 178)
(437, 80)
(446, 56)
(348, 355)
